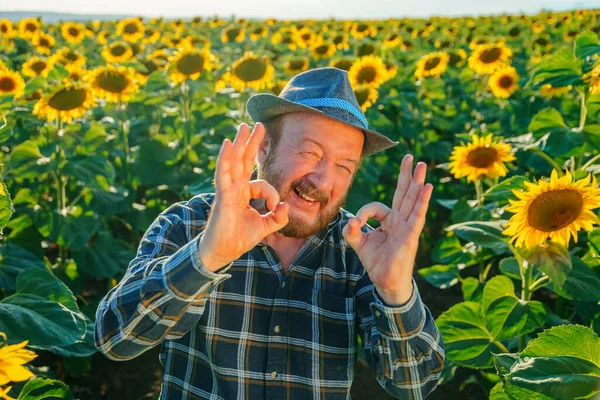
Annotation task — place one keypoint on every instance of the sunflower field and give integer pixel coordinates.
(104, 124)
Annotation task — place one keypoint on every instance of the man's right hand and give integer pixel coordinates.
(233, 226)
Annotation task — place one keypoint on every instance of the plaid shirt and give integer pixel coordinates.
(252, 331)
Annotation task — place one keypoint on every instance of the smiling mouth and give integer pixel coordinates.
(304, 196)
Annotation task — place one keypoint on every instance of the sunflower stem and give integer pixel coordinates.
(541, 282)
(590, 162)
(583, 112)
(479, 191)
(61, 195)
(550, 160)
(502, 347)
(124, 132)
(185, 117)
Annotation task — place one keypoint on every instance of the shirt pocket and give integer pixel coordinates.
(332, 334)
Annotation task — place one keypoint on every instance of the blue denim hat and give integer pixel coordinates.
(326, 91)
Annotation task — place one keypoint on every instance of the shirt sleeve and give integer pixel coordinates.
(164, 290)
(402, 343)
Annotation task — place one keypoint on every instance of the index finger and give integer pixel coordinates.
(251, 149)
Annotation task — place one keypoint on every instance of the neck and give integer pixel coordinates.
(276, 239)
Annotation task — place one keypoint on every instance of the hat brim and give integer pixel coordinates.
(265, 106)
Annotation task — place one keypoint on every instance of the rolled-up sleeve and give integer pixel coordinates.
(164, 290)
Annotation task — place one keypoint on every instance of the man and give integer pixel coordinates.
(259, 290)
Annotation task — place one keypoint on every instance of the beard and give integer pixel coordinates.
(297, 226)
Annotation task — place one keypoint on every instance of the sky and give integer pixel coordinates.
(296, 9)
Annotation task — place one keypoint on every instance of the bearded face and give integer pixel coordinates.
(312, 168)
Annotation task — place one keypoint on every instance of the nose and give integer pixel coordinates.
(323, 177)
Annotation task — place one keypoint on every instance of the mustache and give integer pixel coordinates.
(309, 189)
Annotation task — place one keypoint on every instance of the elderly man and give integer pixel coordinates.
(259, 290)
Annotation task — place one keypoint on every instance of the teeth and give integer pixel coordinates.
(303, 195)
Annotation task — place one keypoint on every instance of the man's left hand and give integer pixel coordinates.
(388, 252)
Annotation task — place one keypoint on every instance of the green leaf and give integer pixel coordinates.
(47, 389)
(557, 138)
(497, 393)
(591, 133)
(82, 348)
(6, 207)
(43, 322)
(560, 69)
(88, 168)
(27, 161)
(503, 190)
(73, 230)
(467, 340)
(104, 257)
(593, 106)
(463, 212)
(547, 120)
(551, 258)
(43, 283)
(36, 83)
(441, 276)
(580, 284)
(472, 289)
(58, 73)
(13, 260)
(484, 233)
(587, 44)
(448, 250)
(562, 363)
(506, 315)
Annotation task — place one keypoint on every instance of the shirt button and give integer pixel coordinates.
(274, 374)
(276, 329)
(283, 284)
(377, 314)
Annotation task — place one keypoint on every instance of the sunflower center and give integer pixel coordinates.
(555, 209)
(190, 64)
(343, 64)
(7, 84)
(490, 55)
(361, 96)
(251, 70)
(68, 99)
(31, 27)
(322, 49)
(73, 31)
(506, 82)
(114, 83)
(118, 50)
(3, 28)
(130, 28)
(44, 42)
(362, 27)
(233, 33)
(455, 58)
(482, 157)
(366, 49)
(392, 37)
(338, 39)
(70, 56)
(367, 75)
(432, 63)
(38, 66)
(306, 37)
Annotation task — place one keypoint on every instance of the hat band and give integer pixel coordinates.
(335, 103)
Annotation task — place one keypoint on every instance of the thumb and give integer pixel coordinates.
(352, 233)
(275, 220)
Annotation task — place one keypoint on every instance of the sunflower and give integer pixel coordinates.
(487, 58)
(196, 42)
(174, 41)
(151, 35)
(233, 34)
(216, 22)
(43, 43)
(131, 29)
(115, 84)
(344, 63)
(6, 29)
(366, 49)
(29, 27)
(322, 51)
(306, 38)
(36, 66)
(77, 74)
(68, 101)
(361, 30)
(69, 58)
(11, 83)
(158, 59)
(392, 69)
(258, 33)
(480, 157)
(593, 78)
(117, 52)
(12, 358)
(538, 27)
(392, 40)
(366, 96)
(189, 63)
(73, 32)
(432, 65)
(368, 70)
(102, 37)
(251, 71)
(549, 91)
(177, 25)
(457, 58)
(406, 45)
(296, 65)
(554, 210)
(504, 82)
(285, 37)
(341, 41)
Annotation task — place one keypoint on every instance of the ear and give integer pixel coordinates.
(263, 149)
